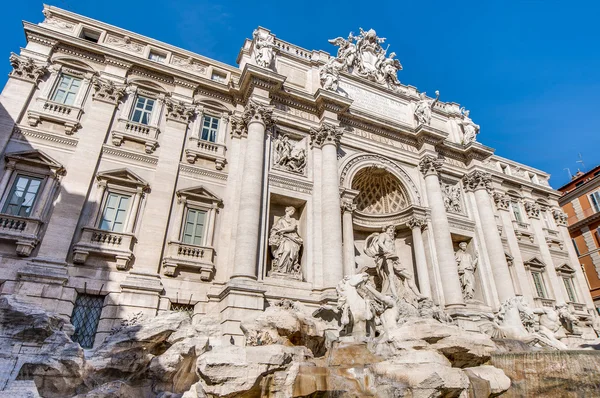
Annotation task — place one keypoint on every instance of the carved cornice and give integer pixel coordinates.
(417, 222)
(478, 180)
(143, 72)
(80, 53)
(41, 39)
(329, 101)
(501, 200)
(130, 155)
(25, 68)
(532, 209)
(257, 112)
(430, 165)
(560, 217)
(179, 111)
(27, 134)
(325, 134)
(293, 184)
(117, 62)
(107, 91)
(195, 171)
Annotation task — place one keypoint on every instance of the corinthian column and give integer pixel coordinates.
(416, 225)
(258, 118)
(441, 233)
(327, 137)
(481, 185)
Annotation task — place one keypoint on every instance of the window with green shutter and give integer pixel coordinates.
(570, 290)
(193, 229)
(538, 281)
(115, 212)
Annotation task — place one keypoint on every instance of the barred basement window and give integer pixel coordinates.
(85, 318)
(187, 308)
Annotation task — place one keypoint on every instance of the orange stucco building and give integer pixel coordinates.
(581, 202)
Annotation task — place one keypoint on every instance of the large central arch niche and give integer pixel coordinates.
(380, 192)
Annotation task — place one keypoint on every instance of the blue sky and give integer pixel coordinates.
(527, 70)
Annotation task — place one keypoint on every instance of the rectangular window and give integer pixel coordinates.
(538, 281)
(516, 211)
(142, 110)
(218, 77)
(569, 288)
(179, 307)
(193, 230)
(210, 126)
(157, 57)
(595, 198)
(575, 246)
(22, 196)
(115, 212)
(66, 90)
(85, 318)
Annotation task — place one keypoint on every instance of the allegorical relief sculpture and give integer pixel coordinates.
(264, 48)
(470, 129)
(288, 155)
(467, 265)
(363, 56)
(424, 107)
(285, 243)
(452, 196)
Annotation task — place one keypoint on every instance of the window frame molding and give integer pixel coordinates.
(565, 271)
(197, 148)
(535, 265)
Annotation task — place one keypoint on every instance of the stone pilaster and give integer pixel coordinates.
(348, 207)
(327, 137)
(481, 185)
(416, 225)
(430, 166)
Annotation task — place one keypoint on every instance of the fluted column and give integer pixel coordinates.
(328, 138)
(348, 208)
(257, 118)
(453, 296)
(481, 185)
(416, 225)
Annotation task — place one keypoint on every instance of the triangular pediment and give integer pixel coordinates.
(34, 157)
(535, 262)
(565, 268)
(123, 177)
(199, 193)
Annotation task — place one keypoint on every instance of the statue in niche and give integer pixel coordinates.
(452, 198)
(285, 245)
(382, 247)
(467, 265)
(470, 129)
(264, 48)
(424, 107)
(289, 156)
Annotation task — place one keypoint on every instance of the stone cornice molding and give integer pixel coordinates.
(501, 200)
(179, 111)
(560, 217)
(256, 112)
(426, 134)
(254, 76)
(417, 222)
(40, 39)
(333, 102)
(430, 165)
(477, 180)
(532, 209)
(107, 91)
(325, 134)
(114, 61)
(25, 68)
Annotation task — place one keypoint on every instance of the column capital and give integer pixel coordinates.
(107, 91)
(348, 205)
(256, 112)
(532, 209)
(478, 180)
(560, 217)
(238, 128)
(417, 222)
(179, 111)
(25, 68)
(501, 200)
(326, 133)
(430, 165)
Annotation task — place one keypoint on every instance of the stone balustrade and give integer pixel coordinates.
(522, 229)
(137, 132)
(191, 257)
(24, 231)
(67, 115)
(102, 243)
(197, 148)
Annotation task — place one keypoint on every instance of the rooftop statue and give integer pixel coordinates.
(470, 129)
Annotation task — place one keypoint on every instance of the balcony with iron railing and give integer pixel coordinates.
(24, 231)
(137, 132)
(197, 148)
(98, 242)
(67, 115)
(196, 258)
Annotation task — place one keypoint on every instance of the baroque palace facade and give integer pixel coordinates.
(138, 177)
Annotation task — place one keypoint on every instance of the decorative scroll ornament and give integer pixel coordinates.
(478, 180)
(363, 56)
(325, 134)
(25, 68)
(424, 107)
(107, 90)
(255, 111)
(532, 209)
(502, 201)
(470, 129)
(179, 111)
(264, 48)
(52, 20)
(560, 217)
(430, 165)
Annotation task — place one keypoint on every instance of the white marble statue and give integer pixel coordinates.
(347, 50)
(424, 107)
(452, 200)
(285, 243)
(549, 324)
(470, 129)
(289, 156)
(329, 74)
(264, 48)
(467, 265)
(568, 320)
(382, 247)
(389, 69)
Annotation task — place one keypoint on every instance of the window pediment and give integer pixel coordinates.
(123, 177)
(35, 158)
(535, 263)
(565, 269)
(200, 194)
